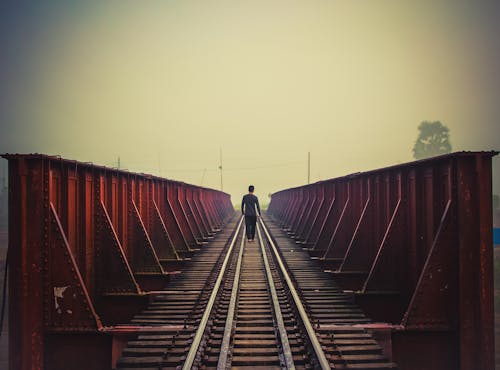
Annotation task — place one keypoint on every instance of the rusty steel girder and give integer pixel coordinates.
(414, 244)
(86, 244)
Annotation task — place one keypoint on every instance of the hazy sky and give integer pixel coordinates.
(165, 84)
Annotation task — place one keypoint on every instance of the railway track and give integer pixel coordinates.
(250, 305)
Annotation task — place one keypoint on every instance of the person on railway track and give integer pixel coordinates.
(250, 209)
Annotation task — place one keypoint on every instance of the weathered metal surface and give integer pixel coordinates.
(202, 325)
(345, 334)
(173, 316)
(252, 305)
(414, 242)
(224, 351)
(177, 200)
(322, 361)
(85, 243)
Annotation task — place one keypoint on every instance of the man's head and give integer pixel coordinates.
(250, 189)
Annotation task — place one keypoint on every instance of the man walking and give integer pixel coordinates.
(250, 209)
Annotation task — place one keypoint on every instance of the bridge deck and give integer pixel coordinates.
(389, 266)
(253, 335)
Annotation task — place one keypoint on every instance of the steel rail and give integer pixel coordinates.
(224, 350)
(285, 344)
(320, 354)
(191, 356)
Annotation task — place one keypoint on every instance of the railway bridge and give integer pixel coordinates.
(386, 269)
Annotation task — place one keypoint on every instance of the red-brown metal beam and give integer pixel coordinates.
(414, 242)
(82, 238)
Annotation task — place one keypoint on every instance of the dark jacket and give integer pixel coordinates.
(248, 204)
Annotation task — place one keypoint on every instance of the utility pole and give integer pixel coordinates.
(203, 176)
(159, 165)
(308, 167)
(118, 162)
(220, 168)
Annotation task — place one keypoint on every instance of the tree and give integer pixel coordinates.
(433, 139)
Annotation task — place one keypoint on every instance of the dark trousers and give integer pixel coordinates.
(250, 222)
